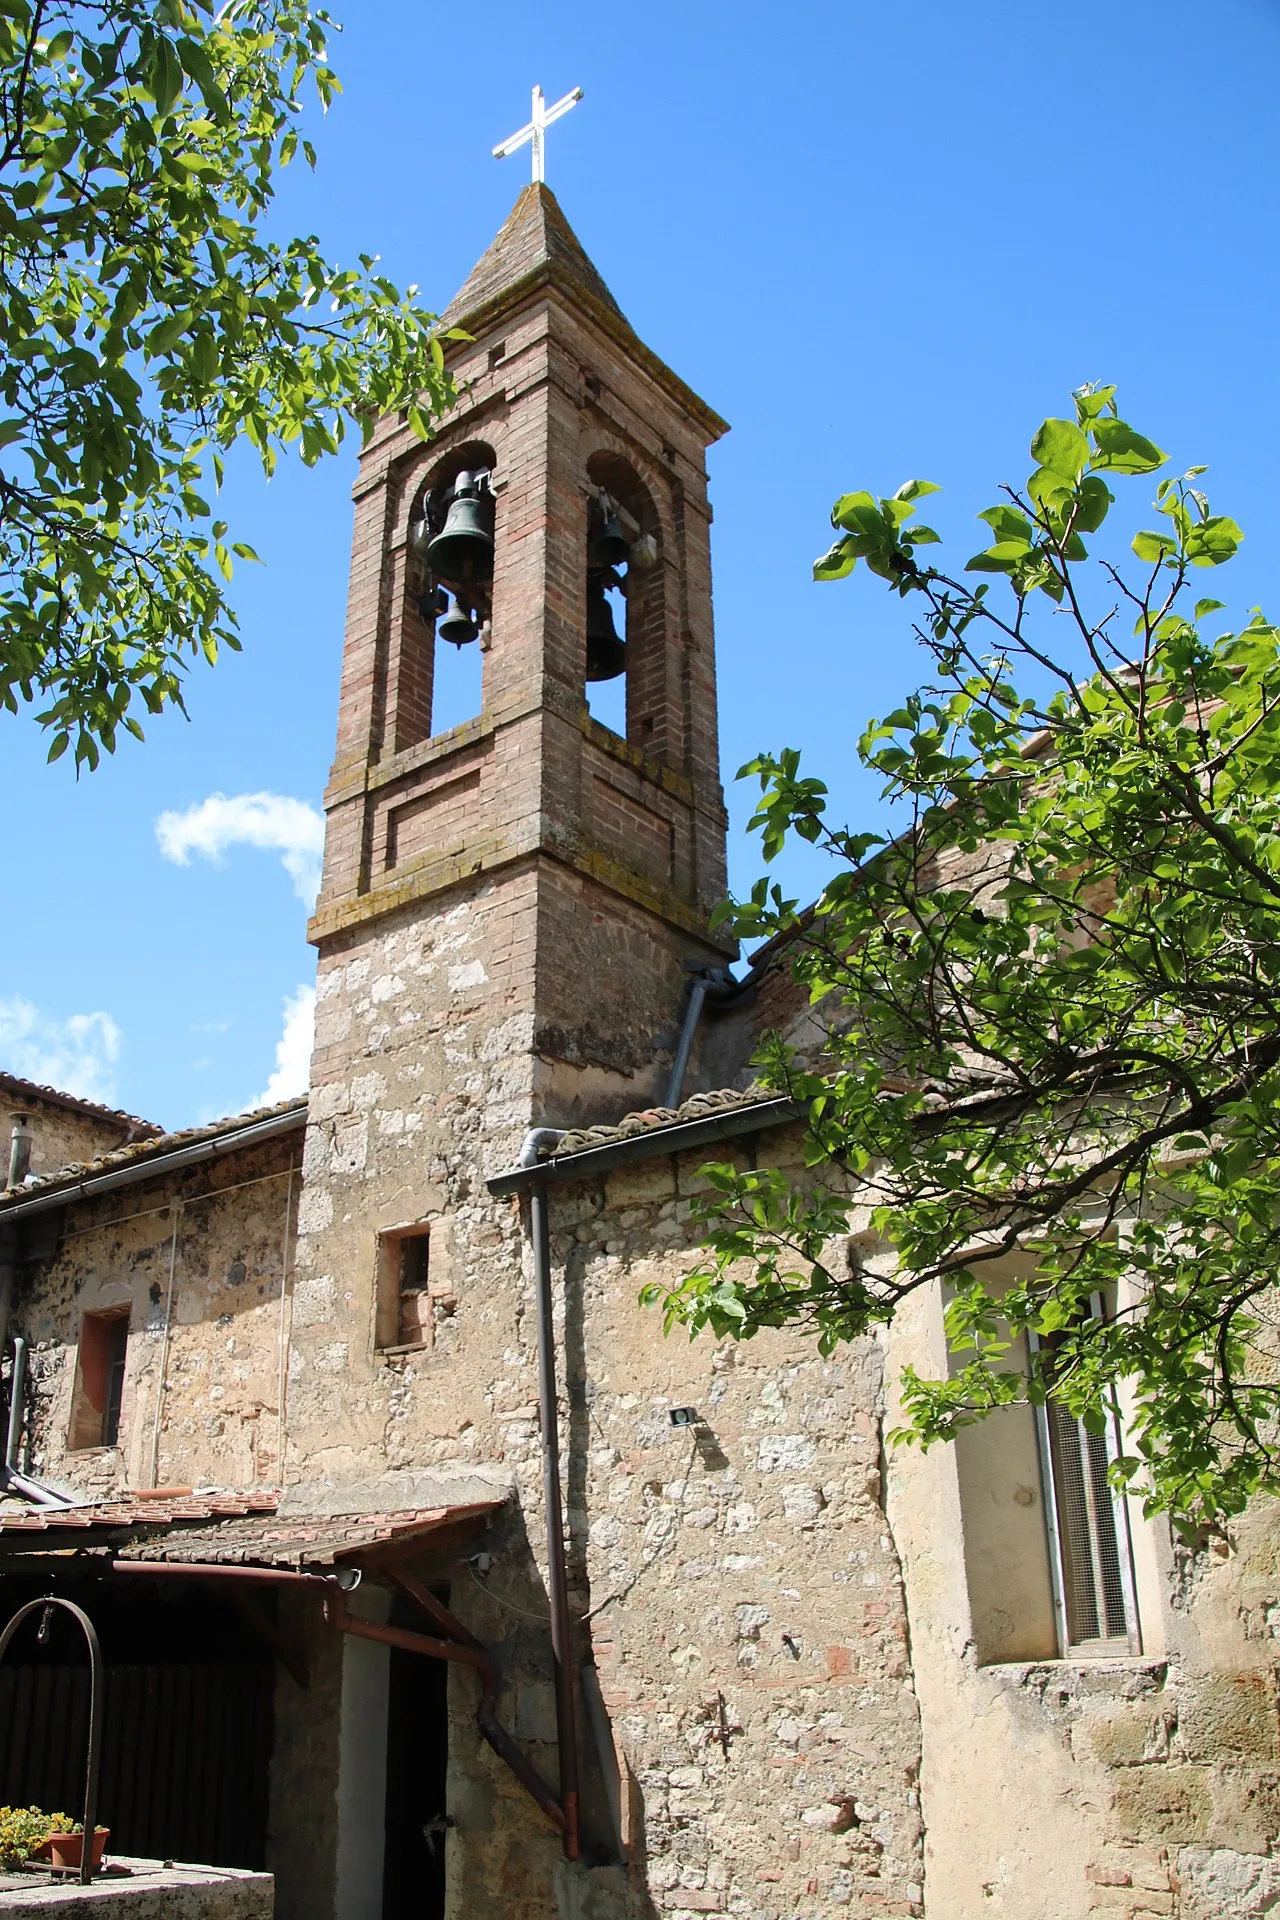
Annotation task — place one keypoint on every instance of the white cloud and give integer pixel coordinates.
(76, 1055)
(293, 1051)
(291, 828)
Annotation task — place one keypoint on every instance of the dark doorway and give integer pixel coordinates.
(417, 1758)
(187, 1728)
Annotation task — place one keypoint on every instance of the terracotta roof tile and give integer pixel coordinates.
(140, 1151)
(129, 1123)
(229, 1529)
(701, 1106)
(19, 1517)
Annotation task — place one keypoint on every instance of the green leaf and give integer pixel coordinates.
(1006, 556)
(1153, 547)
(1204, 607)
(1213, 541)
(1094, 499)
(852, 511)
(166, 75)
(1121, 450)
(837, 563)
(916, 490)
(1091, 402)
(1060, 446)
(1007, 523)
(1050, 489)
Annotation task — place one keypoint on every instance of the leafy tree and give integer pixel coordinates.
(147, 324)
(1054, 997)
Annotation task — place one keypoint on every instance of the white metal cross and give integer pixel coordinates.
(543, 115)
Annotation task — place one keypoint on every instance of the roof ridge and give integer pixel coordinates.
(140, 1151)
(15, 1083)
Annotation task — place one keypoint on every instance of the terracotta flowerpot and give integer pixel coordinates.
(67, 1849)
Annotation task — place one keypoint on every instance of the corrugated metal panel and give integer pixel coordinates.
(185, 1754)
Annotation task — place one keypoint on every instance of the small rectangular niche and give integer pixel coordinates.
(404, 1306)
(99, 1387)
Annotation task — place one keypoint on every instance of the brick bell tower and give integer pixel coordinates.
(511, 908)
(508, 916)
(613, 847)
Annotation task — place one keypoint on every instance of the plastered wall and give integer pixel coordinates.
(1135, 1786)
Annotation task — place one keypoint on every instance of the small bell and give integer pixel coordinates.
(463, 549)
(606, 653)
(609, 546)
(457, 626)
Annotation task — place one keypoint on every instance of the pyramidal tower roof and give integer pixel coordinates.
(536, 248)
(535, 242)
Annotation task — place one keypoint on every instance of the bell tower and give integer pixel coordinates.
(560, 517)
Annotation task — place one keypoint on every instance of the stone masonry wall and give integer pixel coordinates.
(744, 1592)
(59, 1135)
(226, 1237)
(748, 1621)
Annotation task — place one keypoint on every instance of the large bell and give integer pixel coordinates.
(606, 653)
(463, 549)
(609, 546)
(457, 626)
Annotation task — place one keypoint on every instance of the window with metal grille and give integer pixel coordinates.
(1091, 1561)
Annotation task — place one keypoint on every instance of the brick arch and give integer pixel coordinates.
(653, 725)
(610, 452)
(429, 468)
(410, 682)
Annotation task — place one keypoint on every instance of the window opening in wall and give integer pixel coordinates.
(1091, 1562)
(452, 548)
(608, 555)
(99, 1389)
(404, 1283)
(457, 688)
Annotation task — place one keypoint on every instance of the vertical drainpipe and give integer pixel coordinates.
(7, 1251)
(566, 1731)
(19, 1166)
(20, 1141)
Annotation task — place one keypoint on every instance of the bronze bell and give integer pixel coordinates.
(606, 653)
(463, 549)
(457, 626)
(609, 546)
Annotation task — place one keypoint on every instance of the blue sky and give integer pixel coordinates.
(881, 241)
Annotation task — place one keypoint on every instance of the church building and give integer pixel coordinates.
(432, 1578)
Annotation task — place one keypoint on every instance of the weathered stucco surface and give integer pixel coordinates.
(1146, 1785)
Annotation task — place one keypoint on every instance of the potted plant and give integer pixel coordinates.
(67, 1849)
(26, 1834)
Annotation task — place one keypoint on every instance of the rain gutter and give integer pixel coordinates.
(683, 1136)
(94, 1183)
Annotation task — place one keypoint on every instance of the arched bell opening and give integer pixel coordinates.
(449, 584)
(625, 664)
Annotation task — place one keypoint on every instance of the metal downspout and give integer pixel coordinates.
(17, 1387)
(7, 1270)
(680, 1065)
(11, 1479)
(566, 1730)
(718, 985)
